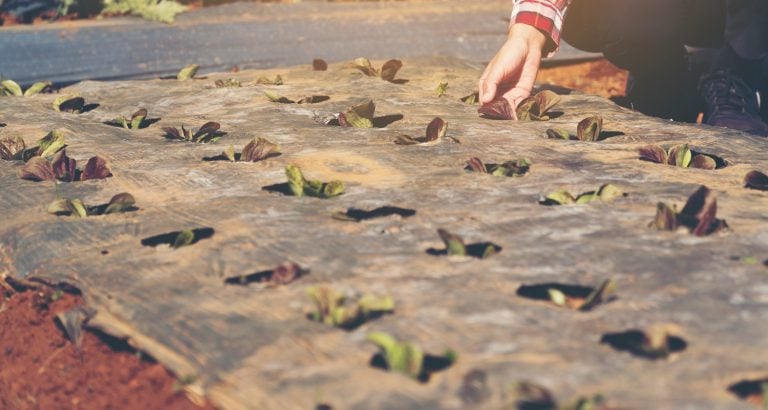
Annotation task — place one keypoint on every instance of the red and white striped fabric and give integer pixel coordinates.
(545, 15)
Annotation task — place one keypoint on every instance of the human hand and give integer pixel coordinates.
(513, 70)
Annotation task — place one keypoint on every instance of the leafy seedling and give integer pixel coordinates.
(72, 322)
(656, 342)
(333, 309)
(526, 395)
(516, 168)
(188, 72)
(209, 132)
(123, 202)
(299, 186)
(581, 298)
(281, 275)
(589, 129)
(73, 104)
(442, 88)
(500, 109)
(537, 107)
(455, 246)
(698, 215)
(436, 131)
(319, 64)
(228, 83)
(387, 73)
(358, 116)
(752, 391)
(256, 150)
(358, 215)
(754, 179)
(137, 120)
(64, 168)
(12, 88)
(311, 99)
(407, 358)
(471, 99)
(278, 80)
(606, 193)
(180, 238)
(680, 156)
(13, 149)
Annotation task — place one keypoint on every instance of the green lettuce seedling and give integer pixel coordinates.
(12, 88)
(441, 89)
(515, 168)
(597, 296)
(698, 215)
(407, 358)
(187, 72)
(606, 193)
(138, 120)
(471, 99)
(387, 73)
(678, 155)
(123, 202)
(209, 132)
(278, 80)
(283, 274)
(228, 83)
(300, 186)
(333, 309)
(525, 395)
(455, 246)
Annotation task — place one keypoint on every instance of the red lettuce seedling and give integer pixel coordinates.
(319, 64)
(588, 130)
(698, 215)
(256, 150)
(387, 73)
(679, 155)
(64, 168)
(756, 180)
(515, 168)
(500, 109)
(436, 131)
(209, 132)
(283, 274)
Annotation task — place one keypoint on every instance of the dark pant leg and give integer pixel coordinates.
(647, 37)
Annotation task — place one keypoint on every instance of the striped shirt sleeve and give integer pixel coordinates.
(545, 15)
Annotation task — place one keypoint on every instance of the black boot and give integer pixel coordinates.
(732, 103)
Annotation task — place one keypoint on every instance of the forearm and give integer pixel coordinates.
(545, 15)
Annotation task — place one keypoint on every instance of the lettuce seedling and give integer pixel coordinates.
(209, 132)
(179, 239)
(471, 99)
(655, 342)
(529, 396)
(228, 83)
(515, 168)
(278, 80)
(358, 116)
(589, 129)
(319, 64)
(455, 246)
(679, 155)
(536, 108)
(12, 148)
(283, 274)
(560, 296)
(698, 215)
(436, 130)
(123, 202)
(409, 359)
(754, 179)
(331, 308)
(388, 70)
(64, 168)
(15, 149)
(442, 88)
(300, 186)
(138, 120)
(607, 193)
(12, 88)
(256, 150)
(73, 104)
(187, 72)
(500, 109)
(310, 99)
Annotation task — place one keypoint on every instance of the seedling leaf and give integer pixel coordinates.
(278, 80)
(701, 161)
(653, 153)
(500, 109)
(37, 169)
(358, 116)
(50, 144)
(364, 65)
(589, 129)
(184, 238)
(442, 88)
(258, 149)
(276, 98)
(599, 295)
(120, 203)
(228, 83)
(404, 358)
(756, 180)
(389, 70)
(558, 134)
(188, 72)
(680, 155)
(557, 297)
(471, 99)
(37, 88)
(436, 130)
(64, 167)
(12, 148)
(319, 64)
(454, 244)
(295, 180)
(96, 168)
(535, 108)
(11, 87)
